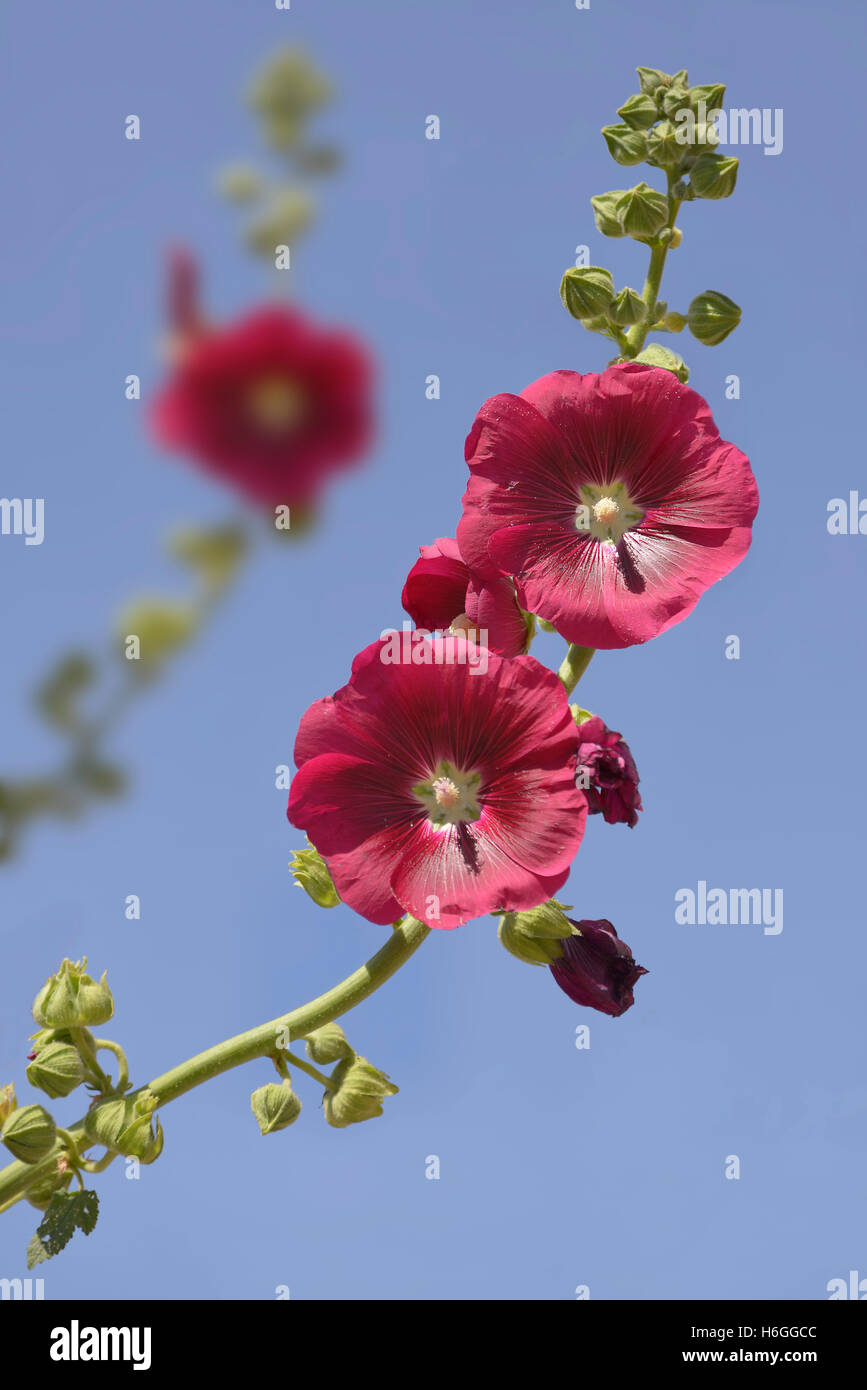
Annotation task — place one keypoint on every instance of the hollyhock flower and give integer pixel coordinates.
(610, 777)
(441, 788)
(611, 499)
(440, 594)
(271, 403)
(597, 969)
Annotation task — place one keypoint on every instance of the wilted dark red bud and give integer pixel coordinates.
(606, 771)
(597, 969)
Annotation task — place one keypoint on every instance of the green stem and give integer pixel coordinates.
(404, 941)
(106, 1045)
(311, 1071)
(575, 663)
(636, 336)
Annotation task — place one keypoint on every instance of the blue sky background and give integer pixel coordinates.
(559, 1167)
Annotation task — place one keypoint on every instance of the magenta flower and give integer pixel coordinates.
(597, 969)
(611, 500)
(607, 773)
(443, 786)
(440, 594)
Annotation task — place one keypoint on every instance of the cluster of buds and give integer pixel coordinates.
(659, 126)
(354, 1091)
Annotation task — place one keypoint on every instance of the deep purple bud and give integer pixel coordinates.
(597, 969)
(607, 773)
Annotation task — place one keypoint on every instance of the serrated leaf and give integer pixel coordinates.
(67, 1213)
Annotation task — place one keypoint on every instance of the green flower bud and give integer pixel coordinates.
(535, 936)
(638, 111)
(240, 183)
(143, 1139)
(275, 1106)
(40, 1193)
(361, 1089)
(671, 237)
(652, 78)
(29, 1133)
(599, 324)
(71, 999)
(625, 145)
(310, 872)
(57, 1069)
(7, 1101)
(673, 322)
(160, 626)
(627, 308)
(655, 355)
(714, 176)
(586, 290)
(705, 137)
(711, 93)
(712, 317)
(604, 212)
(663, 147)
(119, 1124)
(642, 211)
(674, 98)
(328, 1044)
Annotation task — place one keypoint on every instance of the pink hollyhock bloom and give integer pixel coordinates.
(611, 499)
(440, 594)
(438, 787)
(271, 403)
(610, 777)
(597, 968)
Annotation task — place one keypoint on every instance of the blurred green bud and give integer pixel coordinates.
(638, 111)
(57, 1069)
(215, 554)
(604, 212)
(586, 290)
(673, 322)
(71, 999)
(663, 147)
(29, 1133)
(674, 98)
(712, 317)
(711, 93)
(310, 872)
(655, 355)
(284, 221)
(642, 211)
(159, 626)
(57, 695)
(627, 308)
(625, 145)
(714, 176)
(289, 87)
(275, 1106)
(535, 936)
(119, 1124)
(239, 183)
(360, 1090)
(328, 1044)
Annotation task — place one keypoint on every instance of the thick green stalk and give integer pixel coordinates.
(405, 939)
(574, 664)
(636, 336)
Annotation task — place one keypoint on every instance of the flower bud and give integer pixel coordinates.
(57, 1069)
(627, 308)
(674, 98)
(71, 999)
(275, 1106)
(673, 322)
(638, 111)
(671, 237)
(586, 290)
(663, 147)
(712, 317)
(604, 212)
(625, 145)
(711, 93)
(328, 1044)
(360, 1091)
(655, 355)
(40, 1193)
(642, 211)
(597, 969)
(310, 872)
(7, 1101)
(29, 1133)
(119, 1124)
(535, 936)
(714, 176)
(652, 78)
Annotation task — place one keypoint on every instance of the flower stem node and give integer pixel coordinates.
(119, 1124)
(643, 212)
(359, 1092)
(535, 936)
(310, 872)
(29, 1133)
(57, 1068)
(71, 999)
(586, 291)
(328, 1044)
(275, 1106)
(655, 355)
(712, 317)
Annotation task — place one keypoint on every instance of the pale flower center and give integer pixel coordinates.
(450, 796)
(606, 511)
(276, 403)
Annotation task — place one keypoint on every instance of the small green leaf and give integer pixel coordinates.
(36, 1253)
(67, 1213)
